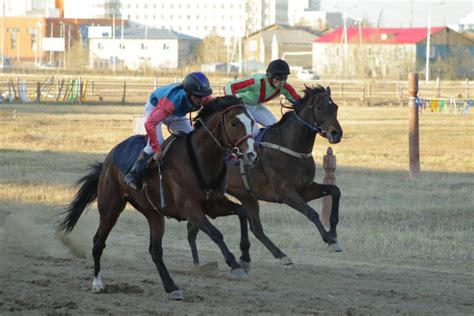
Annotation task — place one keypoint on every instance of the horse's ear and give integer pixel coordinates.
(328, 90)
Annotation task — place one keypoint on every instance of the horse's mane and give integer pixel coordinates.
(310, 92)
(218, 104)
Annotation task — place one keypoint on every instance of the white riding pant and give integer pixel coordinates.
(177, 124)
(261, 115)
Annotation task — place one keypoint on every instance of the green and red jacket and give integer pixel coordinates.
(257, 89)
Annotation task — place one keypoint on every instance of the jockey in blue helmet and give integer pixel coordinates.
(169, 104)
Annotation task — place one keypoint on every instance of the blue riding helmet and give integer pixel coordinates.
(197, 84)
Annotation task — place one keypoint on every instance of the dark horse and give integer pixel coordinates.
(193, 177)
(285, 172)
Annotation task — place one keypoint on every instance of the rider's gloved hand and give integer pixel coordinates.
(157, 156)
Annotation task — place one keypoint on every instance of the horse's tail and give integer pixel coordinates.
(86, 195)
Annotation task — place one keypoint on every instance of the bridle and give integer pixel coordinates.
(233, 146)
(315, 127)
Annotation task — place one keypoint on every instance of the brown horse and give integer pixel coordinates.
(193, 177)
(285, 173)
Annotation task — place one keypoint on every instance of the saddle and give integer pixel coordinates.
(128, 151)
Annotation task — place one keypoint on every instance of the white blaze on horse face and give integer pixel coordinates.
(247, 121)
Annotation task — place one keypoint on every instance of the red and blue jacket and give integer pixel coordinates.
(168, 100)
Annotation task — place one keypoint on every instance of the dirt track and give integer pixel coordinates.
(39, 273)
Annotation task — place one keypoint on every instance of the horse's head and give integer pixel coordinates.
(229, 123)
(319, 111)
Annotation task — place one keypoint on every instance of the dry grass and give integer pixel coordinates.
(385, 215)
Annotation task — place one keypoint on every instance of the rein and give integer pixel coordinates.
(208, 188)
(313, 127)
(234, 147)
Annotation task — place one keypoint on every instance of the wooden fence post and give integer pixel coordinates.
(80, 90)
(38, 92)
(329, 165)
(60, 89)
(438, 88)
(413, 127)
(17, 95)
(124, 92)
(467, 89)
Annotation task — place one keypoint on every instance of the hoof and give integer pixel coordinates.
(245, 265)
(285, 261)
(335, 247)
(176, 295)
(97, 286)
(238, 273)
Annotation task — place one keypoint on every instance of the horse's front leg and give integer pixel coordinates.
(316, 191)
(294, 200)
(250, 204)
(198, 218)
(193, 230)
(157, 229)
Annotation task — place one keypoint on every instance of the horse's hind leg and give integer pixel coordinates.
(110, 206)
(253, 212)
(225, 207)
(316, 191)
(199, 219)
(157, 229)
(193, 230)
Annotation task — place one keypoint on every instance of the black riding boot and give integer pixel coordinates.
(131, 178)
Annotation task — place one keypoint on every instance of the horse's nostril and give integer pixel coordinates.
(334, 133)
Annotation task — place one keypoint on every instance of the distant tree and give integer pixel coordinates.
(458, 64)
(212, 50)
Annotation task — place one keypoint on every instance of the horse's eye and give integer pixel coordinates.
(233, 124)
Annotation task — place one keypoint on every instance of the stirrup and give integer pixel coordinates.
(130, 180)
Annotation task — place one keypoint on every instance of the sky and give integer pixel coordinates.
(399, 13)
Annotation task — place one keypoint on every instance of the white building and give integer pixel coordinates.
(296, 7)
(229, 19)
(139, 48)
(466, 23)
(318, 19)
(263, 13)
(91, 9)
(44, 8)
(194, 18)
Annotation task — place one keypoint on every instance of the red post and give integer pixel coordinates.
(329, 165)
(413, 127)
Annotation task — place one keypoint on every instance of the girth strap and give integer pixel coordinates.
(157, 209)
(245, 179)
(286, 150)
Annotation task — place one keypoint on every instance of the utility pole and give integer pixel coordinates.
(68, 42)
(51, 52)
(428, 36)
(113, 42)
(344, 35)
(3, 32)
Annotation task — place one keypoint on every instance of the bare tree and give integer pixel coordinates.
(212, 50)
